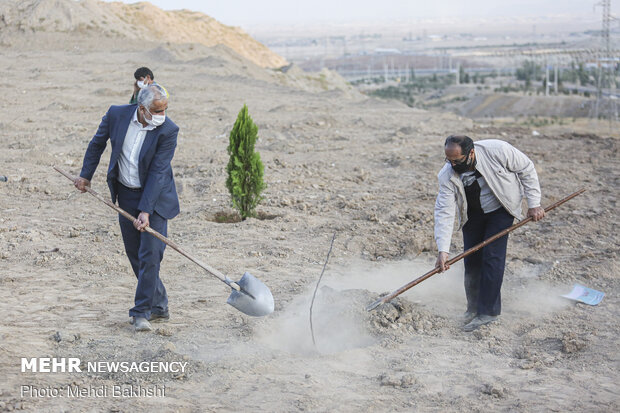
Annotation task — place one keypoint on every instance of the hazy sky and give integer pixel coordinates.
(257, 12)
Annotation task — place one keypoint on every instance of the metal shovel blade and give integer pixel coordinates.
(254, 299)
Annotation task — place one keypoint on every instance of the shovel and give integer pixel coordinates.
(473, 249)
(249, 295)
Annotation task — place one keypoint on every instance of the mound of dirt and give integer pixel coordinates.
(403, 316)
(133, 21)
(394, 318)
(324, 80)
(501, 105)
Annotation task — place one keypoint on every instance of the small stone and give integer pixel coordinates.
(493, 390)
(162, 331)
(169, 347)
(387, 380)
(572, 344)
(407, 381)
(74, 337)
(57, 337)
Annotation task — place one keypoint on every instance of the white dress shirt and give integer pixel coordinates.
(128, 159)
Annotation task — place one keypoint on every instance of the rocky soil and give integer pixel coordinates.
(335, 162)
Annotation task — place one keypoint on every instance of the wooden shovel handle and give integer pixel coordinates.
(464, 254)
(154, 233)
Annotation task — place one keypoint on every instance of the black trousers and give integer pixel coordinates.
(484, 269)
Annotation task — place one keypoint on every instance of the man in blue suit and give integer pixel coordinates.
(140, 177)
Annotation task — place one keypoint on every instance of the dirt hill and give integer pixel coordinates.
(498, 105)
(133, 21)
(335, 162)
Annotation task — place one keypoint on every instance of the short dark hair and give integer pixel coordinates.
(463, 141)
(143, 72)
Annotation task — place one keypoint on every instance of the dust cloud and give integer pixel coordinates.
(442, 293)
(341, 322)
(536, 299)
(340, 319)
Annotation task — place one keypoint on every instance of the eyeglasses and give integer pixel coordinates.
(454, 162)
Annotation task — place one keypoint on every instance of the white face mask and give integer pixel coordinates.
(142, 84)
(155, 120)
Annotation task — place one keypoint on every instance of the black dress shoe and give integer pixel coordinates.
(468, 316)
(160, 317)
(480, 320)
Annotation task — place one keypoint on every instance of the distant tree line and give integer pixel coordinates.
(530, 77)
(577, 74)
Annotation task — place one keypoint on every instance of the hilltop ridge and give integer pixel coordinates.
(132, 21)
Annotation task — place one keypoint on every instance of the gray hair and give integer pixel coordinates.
(151, 93)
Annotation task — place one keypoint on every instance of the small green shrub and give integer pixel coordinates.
(245, 169)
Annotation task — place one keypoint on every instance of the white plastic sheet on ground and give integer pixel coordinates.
(585, 295)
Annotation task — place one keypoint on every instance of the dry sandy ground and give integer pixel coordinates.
(334, 162)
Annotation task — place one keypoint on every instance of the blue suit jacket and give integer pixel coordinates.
(158, 189)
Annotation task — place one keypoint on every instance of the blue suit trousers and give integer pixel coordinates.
(145, 253)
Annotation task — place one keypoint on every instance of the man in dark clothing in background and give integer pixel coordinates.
(144, 77)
